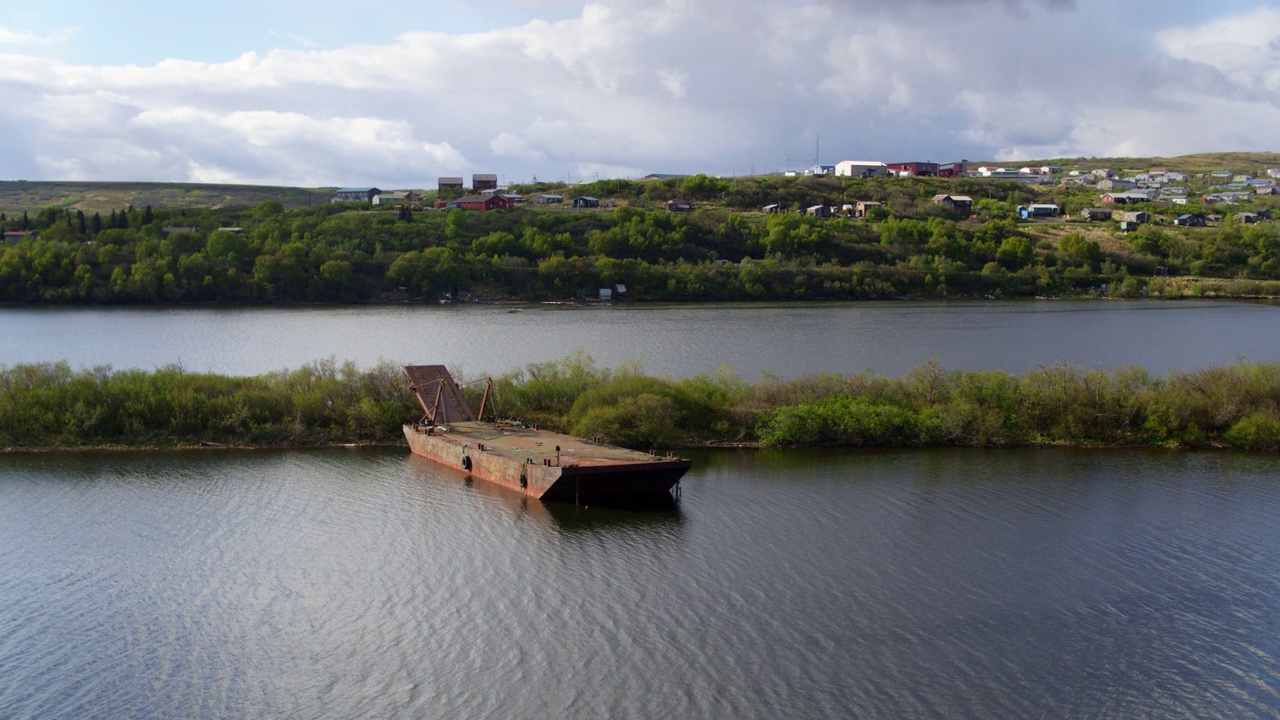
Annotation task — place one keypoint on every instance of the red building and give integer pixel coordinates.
(952, 170)
(482, 202)
(920, 169)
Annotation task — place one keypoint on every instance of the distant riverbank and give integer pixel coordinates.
(52, 407)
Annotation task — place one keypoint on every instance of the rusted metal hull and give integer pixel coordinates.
(543, 464)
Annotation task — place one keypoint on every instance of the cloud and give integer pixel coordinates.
(11, 37)
(633, 86)
(1244, 49)
(509, 145)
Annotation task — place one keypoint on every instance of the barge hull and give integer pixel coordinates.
(523, 460)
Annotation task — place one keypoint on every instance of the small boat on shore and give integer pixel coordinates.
(544, 464)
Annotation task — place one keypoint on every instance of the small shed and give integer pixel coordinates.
(679, 205)
(820, 211)
(548, 199)
(771, 209)
(586, 201)
(862, 207)
(1136, 217)
(1095, 214)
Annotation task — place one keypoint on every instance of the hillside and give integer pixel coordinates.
(18, 196)
(1238, 162)
(745, 238)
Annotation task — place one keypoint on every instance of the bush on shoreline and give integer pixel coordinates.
(1237, 406)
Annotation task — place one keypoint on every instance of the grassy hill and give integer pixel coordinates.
(18, 196)
(1239, 162)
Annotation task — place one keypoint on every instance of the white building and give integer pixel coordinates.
(862, 168)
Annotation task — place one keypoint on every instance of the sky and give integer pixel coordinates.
(326, 93)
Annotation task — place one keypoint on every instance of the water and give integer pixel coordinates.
(788, 340)
(371, 583)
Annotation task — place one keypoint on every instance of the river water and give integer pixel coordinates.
(371, 583)
(880, 584)
(787, 340)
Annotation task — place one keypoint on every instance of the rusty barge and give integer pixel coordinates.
(546, 465)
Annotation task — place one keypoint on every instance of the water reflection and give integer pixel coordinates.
(658, 512)
(954, 583)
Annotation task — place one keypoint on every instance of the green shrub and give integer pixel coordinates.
(845, 421)
(637, 421)
(1255, 432)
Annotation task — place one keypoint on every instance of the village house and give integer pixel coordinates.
(483, 181)
(963, 203)
(1000, 173)
(917, 169)
(1094, 214)
(1116, 185)
(449, 183)
(862, 168)
(771, 209)
(548, 199)
(406, 197)
(679, 205)
(1038, 210)
(365, 194)
(1130, 196)
(585, 201)
(953, 170)
(1135, 216)
(482, 203)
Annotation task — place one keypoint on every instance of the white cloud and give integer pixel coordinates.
(673, 80)
(633, 86)
(514, 146)
(11, 37)
(1244, 48)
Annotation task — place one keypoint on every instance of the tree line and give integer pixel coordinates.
(721, 251)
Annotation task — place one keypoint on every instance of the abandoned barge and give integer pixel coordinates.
(546, 465)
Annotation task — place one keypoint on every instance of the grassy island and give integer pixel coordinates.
(51, 406)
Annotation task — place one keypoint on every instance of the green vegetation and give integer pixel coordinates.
(19, 196)
(52, 406)
(277, 251)
(1236, 406)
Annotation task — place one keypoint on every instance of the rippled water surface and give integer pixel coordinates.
(1038, 583)
(790, 340)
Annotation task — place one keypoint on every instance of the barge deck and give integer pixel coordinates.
(540, 463)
